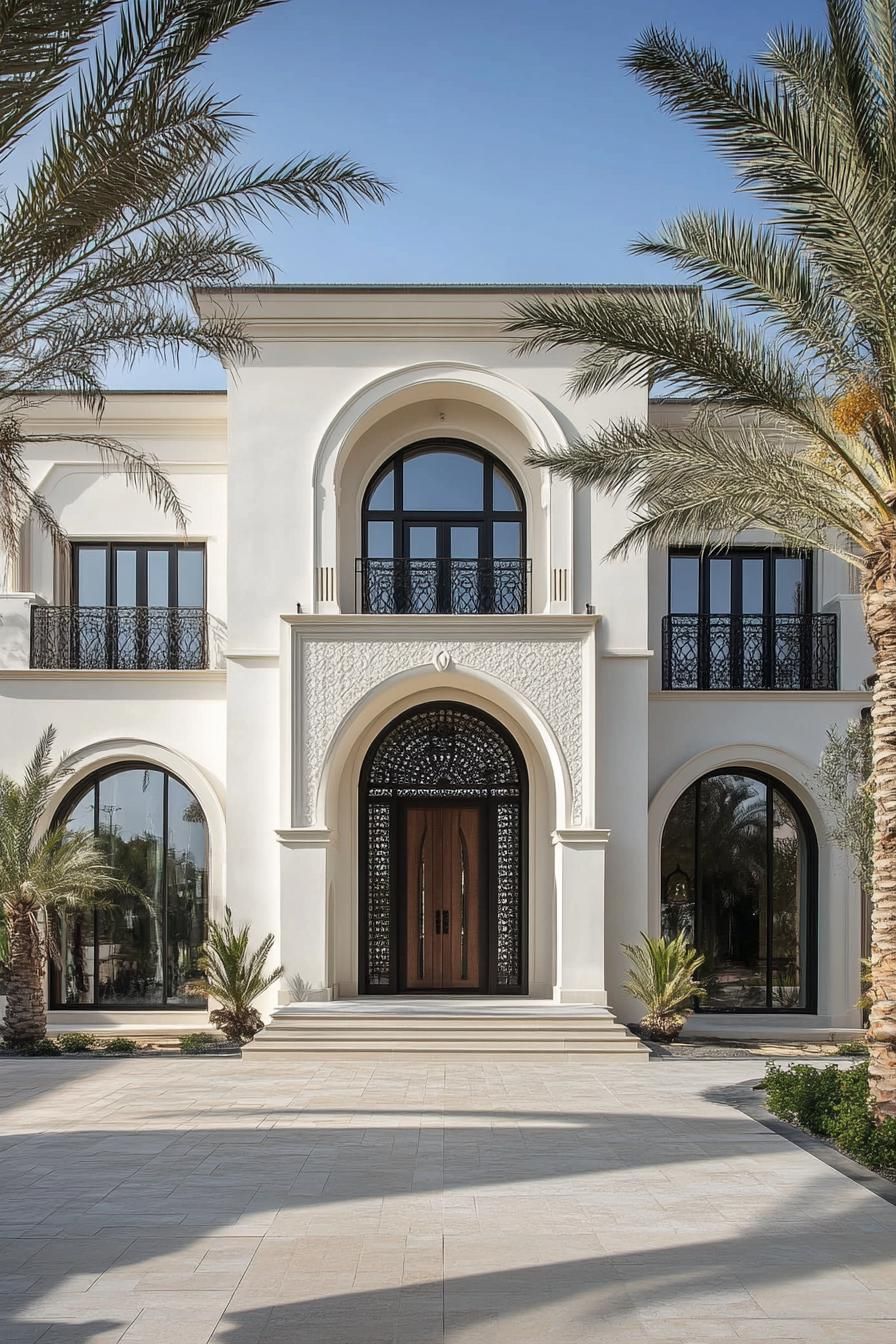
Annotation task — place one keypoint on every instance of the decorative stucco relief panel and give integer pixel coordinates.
(337, 673)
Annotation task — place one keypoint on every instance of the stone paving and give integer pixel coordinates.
(260, 1201)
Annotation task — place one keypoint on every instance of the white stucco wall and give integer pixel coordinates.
(279, 467)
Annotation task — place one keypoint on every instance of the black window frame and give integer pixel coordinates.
(442, 520)
(55, 1001)
(142, 548)
(769, 555)
(772, 784)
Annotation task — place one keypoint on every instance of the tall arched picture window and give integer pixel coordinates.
(739, 864)
(140, 949)
(444, 530)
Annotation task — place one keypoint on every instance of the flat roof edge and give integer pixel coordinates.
(541, 287)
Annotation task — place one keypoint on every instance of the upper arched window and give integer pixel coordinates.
(739, 864)
(444, 530)
(140, 949)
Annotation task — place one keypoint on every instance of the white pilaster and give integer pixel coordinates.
(579, 884)
(304, 912)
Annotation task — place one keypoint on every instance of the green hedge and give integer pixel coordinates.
(834, 1104)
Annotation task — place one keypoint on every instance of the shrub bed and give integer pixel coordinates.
(120, 1045)
(75, 1042)
(834, 1104)
(204, 1043)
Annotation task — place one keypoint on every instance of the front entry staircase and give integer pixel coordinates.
(445, 1029)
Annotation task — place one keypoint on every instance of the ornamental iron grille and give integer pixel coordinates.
(443, 752)
(119, 638)
(794, 652)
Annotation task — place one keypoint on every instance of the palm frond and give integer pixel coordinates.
(698, 347)
(54, 869)
(790, 153)
(702, 485)
(40, 44)
(771, 277)
(662, 975)
(136, 195)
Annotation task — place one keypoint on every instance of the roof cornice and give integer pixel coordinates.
(272, 312)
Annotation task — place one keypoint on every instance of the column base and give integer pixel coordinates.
(324, 995)
(597, 997)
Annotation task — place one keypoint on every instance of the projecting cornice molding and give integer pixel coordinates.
(340, 311)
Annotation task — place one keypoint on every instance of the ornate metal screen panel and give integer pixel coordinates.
(508, 896)
(379, 894)
(444, 752)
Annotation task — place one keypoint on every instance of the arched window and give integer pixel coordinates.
(739, 876)
(140, 949)
(444, 530)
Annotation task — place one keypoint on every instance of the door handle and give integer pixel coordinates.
(444, 921)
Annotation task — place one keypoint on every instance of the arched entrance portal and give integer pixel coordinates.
(443, 846)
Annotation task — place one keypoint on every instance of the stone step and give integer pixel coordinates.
(348, 1031)
(513, 1026)
(376, 1031)
(440, 1049)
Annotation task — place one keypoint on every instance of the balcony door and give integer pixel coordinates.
(138, 605)
(742, 619)
(444, 531)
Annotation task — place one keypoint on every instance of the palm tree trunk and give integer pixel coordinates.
(25, 1020)
(880, 612)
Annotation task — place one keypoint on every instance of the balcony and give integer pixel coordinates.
(406, 587)
(750, 653)
(119, 638)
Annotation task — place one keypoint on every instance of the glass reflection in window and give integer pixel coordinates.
(141, 949)
(737, 881)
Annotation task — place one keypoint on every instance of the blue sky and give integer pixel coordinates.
(519, 149)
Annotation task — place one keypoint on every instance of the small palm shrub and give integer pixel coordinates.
(834, 1104)
(198, 1042)
(75, 1042)
(120, 1045)
(235, 976)
(662, 977)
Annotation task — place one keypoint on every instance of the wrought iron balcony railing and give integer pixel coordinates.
(752, 653)
(126, 638)
(404, 587)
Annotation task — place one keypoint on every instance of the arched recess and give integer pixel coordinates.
(758, 792)
(534, 426)
(443, 818)
(337, 815)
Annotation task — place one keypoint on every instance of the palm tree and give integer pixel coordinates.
(792, 352)
(133, 193)
(41, 873)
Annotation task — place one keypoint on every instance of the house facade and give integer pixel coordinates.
(390, 701)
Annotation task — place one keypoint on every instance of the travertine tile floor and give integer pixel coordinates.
(257, 1200)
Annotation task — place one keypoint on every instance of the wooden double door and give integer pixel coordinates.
(445, 896)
